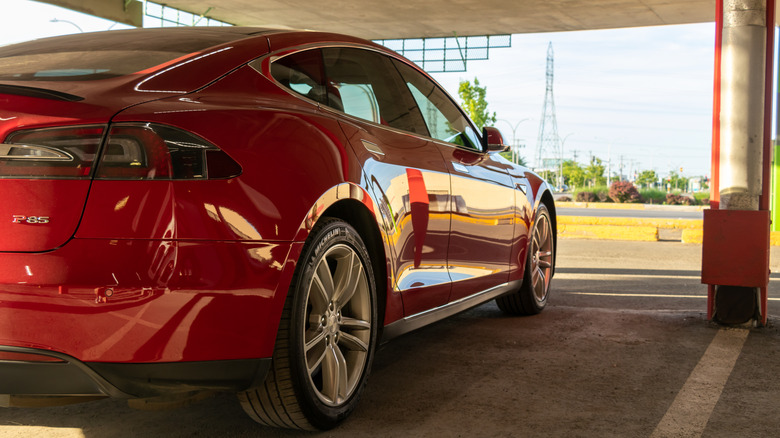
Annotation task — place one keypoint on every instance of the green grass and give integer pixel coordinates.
(701, 196)
(653, 196)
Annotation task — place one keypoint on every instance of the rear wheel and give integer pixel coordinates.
(532, 296)
(326, 338)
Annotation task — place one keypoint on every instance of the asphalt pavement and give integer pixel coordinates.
(623, 349)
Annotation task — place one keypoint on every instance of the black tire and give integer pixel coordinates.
(327, 335)
(532, 296)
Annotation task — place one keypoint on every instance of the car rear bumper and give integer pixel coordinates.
(146, 301)
(41, 373)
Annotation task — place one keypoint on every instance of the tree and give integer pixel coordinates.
(646, 178)
(474, 102)
(573, 174)
(594, 172)
(677, 181)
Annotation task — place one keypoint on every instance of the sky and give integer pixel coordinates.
(642, 96)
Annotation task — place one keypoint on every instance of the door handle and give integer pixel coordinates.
(460, 168)
(373, 148)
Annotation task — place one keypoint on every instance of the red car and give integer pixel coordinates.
(243, 210)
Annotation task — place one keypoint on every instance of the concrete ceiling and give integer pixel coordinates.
(376, 19)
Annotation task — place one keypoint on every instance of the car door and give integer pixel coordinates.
(406, 172)
(483, 194)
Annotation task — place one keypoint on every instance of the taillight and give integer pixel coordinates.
(154, 151)
(131, 151)
(63, 153)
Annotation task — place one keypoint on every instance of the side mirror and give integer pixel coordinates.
(494, 141)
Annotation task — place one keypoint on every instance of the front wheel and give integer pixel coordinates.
(326, 338)
(532, 296)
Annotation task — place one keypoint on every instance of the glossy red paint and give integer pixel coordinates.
(482, 229)
(417, 245)
(168, 299)
(60, 201)
(157, 271)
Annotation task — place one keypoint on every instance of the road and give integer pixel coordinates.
(646, 213)
(611, 356)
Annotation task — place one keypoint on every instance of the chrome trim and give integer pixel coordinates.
(373, 148)
(414, 322)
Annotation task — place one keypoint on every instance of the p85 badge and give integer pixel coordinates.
(22, 219)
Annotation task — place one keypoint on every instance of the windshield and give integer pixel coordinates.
(103, 55)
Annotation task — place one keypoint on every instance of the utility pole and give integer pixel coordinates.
(515, 143)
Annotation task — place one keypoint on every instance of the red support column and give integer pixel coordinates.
(746, 269)
(768, 152)
(715, 171)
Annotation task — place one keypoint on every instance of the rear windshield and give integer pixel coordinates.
(103, 55)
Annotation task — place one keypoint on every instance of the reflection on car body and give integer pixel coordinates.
(245, 210)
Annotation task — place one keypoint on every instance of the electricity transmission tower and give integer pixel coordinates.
(548, 153)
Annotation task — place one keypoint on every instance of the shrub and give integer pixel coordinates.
(624, 191)
(586, 197)
(677, 199)
(564, 199)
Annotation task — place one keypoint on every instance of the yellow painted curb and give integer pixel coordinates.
(680, 224)
(617, 206)
(604, 205)
(608, 232)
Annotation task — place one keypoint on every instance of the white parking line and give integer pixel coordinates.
(692, 407)
(595, 276)
(610, 294)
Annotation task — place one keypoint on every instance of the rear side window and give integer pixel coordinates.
(302, 72)
(366, 85)
(101, 55)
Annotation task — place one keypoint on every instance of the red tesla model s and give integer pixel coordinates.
(245, 210)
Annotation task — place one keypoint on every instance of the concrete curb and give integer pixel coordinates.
(635, 229)
(608, 232)
(680, 224)
(615, 206)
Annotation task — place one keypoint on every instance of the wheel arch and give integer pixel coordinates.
(352, 204)
(359, 217)
(549, 202)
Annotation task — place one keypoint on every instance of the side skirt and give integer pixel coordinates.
(416, 321)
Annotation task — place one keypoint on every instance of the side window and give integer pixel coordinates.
(444, 120)
(302, 73)
(367, 86)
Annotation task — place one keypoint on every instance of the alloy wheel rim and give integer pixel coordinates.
(541, 260)
(337, 327)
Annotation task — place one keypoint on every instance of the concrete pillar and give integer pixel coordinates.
(742, 103)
